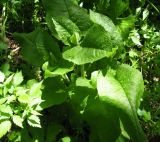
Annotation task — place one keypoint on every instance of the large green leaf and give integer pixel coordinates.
(61, 68)
(54, 92)
(47, 47)
(67, 9)
(82, 55)
(103, 121)
(29, 50)
(65, 28)
(124, 93)
(116, 8)
(126, 25)
(101, 40)
(110, 28)
(97, 37)
(53, 130)
(37, 45)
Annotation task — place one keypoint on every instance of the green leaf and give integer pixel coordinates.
(94, 46)
(29, 50)
(126, 25)
(6, 110)
(102, 120)
(61, 68)
(68, 9)
(3, 46)
(117, 7)
(80, 94)
(5, 69)
(17, 78)
(24, 98)
(38, 45)
(35, 101)
(53, 130)
(124, 92)
(47, 46)
(65, 28)
(54, 92)
(80, 55)
(132, 83)
(34, 121)
(18, 120)
(3, 100)
(8, 80)
(35, 90)
(114, 35)
(66, 139)
(5, 127)
(145, 14)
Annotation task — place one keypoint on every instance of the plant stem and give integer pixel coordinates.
(82, 71)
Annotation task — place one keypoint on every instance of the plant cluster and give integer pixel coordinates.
(88, 70)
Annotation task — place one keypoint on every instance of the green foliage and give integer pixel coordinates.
(86, 91)
(18, 102)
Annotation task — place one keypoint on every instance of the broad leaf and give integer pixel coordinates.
(38, 45)
(54, 92)
(67, 9)
(65, 28)
(53, 130)
(46, 44)
(124, 92)
(95, 46)
(29, 50)
(110, 28)
(62, 67)
(5, 126)
(126, 25)
(102, 120)
(80, 55)
(35, 90)
(117, 7)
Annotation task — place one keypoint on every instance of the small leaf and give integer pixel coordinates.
(35, 101)
(3, 100)
(5, 126)
(8, 80)
(145, 14)
(7, 110)
(17, 79)
(66, 139)
(24, 98)
(34, 121)
(18, 120)
(35, 90)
